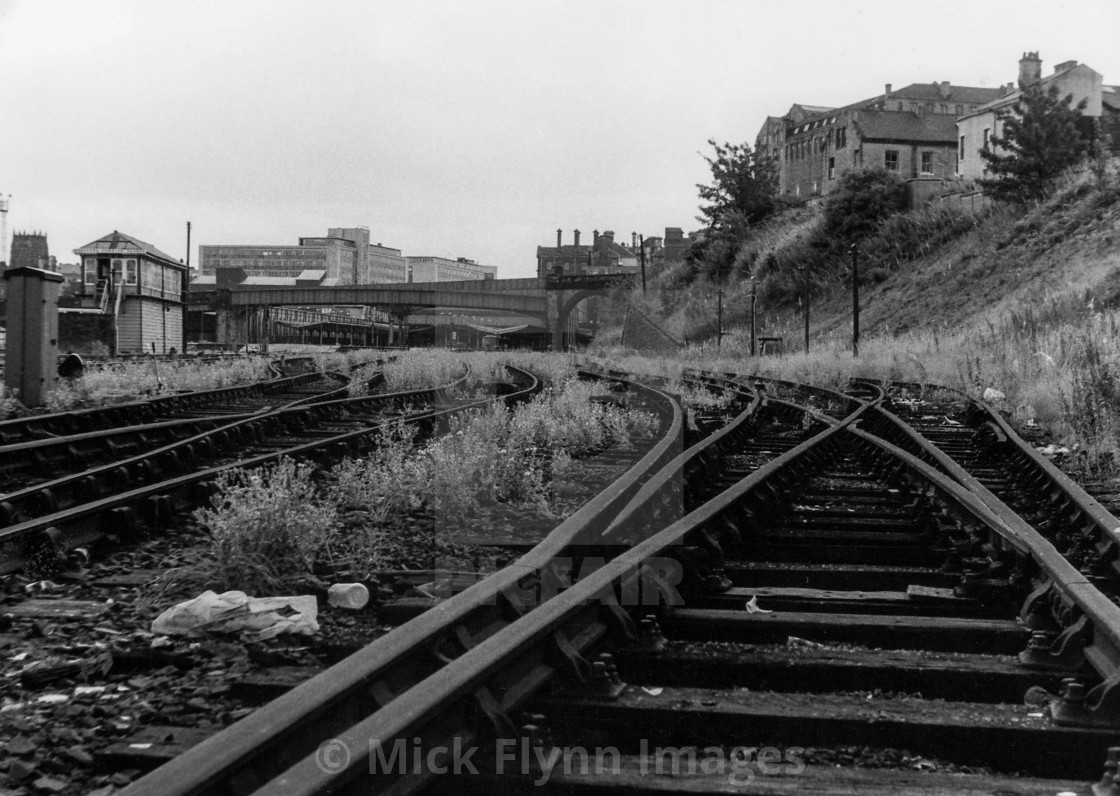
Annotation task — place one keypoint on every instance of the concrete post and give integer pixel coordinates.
(31, 358)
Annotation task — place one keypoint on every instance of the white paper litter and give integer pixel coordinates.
(258, 618)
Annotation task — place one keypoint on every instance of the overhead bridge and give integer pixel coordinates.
(550, 299)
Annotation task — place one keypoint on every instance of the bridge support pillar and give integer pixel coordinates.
(555, 322)
(232, 326)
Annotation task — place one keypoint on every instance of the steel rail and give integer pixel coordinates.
(256, 748)
(74, 447)
(495, 675)
(469, 699)
(73, 421)
(45, 497)
(96, 516)
(1077, 625)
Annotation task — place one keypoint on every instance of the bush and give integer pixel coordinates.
(267, 528)
(862, 199)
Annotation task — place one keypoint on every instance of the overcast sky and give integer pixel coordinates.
(449, 128)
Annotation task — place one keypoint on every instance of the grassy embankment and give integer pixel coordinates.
(1025, 301)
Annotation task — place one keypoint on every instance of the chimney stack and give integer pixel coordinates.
(576, 233)
(944, 88)
(886, 95)
(633, 240)
(1030, 69)
(595, 238)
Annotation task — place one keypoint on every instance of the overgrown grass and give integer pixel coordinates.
(272, 530)
(267, 529)
(125, 381)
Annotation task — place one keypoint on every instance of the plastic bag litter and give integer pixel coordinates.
(992, 394)
(753, 608)
(258, 618)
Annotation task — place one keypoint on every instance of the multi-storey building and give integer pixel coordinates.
(602, 256)
(976, 128)
(911, 131)
(441, 269)
(344, 256)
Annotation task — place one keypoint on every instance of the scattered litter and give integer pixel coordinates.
(653, 691)
(752, 607)
(348, 595)
(53, 699)
(1053, 450)
(1035, 715)
(259, 618)
(992, 394)
(950, 421)
(139, 746)
(84, 690)
(794, 641)
(425, 590)
(40, 586)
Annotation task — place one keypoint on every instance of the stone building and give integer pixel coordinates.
(29, 250)
(976, 128)
(911, 131)
(604, 255)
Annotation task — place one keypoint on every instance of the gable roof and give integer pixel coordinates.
(931, 92)
(119, 242)
(896, 126)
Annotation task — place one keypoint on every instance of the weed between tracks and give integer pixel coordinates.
(402, 507)
(128, 381)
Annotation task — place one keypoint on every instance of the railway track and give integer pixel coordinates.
(393, 667)
(127, 497)
(863, 612)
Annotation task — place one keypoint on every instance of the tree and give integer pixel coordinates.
(862, 199)
(1042, 137)
(741, 194)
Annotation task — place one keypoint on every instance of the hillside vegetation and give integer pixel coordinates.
(1021, 299)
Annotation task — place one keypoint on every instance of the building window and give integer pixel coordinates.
(927, 163)
(987, 135)
(832, 168)
(890, 161)
(960, 110)
(960, 155)
(130, 272)
(842, 138)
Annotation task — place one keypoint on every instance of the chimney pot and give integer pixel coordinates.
(559, 237)
(1030, 69)
(576, 234)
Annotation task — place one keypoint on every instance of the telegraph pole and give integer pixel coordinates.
(753, 298)
(805, 276)
(719, 317)
(855, 299)
(642, 251)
